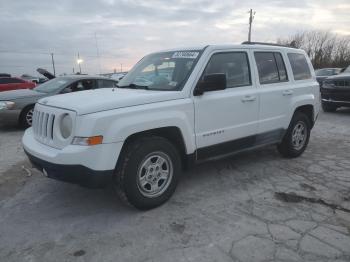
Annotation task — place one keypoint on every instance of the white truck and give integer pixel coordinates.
(175, 108)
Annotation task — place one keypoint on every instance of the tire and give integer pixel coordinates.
(297, 136)
(328, 107)
(25, 118)
(137, 178)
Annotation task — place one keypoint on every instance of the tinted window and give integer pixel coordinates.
(7, 80)
(271, 67)
(80, 85)
(234, 65)
(108, 84)
(282, 72)
(15, 81)
(4, 80)
(299, 66)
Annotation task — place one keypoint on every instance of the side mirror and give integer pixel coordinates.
(211, 82)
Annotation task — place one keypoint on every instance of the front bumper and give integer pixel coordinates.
(75, 174)
(90, 166)
(336, 96)
(336, 103)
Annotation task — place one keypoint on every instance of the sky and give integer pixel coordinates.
(114, 34)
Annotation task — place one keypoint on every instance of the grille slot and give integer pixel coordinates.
(43, 124)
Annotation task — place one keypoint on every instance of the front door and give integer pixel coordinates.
(227, 120)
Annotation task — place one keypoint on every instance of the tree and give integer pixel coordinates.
(324, 48)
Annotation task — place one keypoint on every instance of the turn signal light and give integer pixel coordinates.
(88, 141)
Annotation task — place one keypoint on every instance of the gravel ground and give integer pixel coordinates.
(252, 207)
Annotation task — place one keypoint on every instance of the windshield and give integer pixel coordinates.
(162, 71)
(325, 72)
(52, 85)
(347, 70)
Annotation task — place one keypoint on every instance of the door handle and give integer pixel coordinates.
(287, 92)
(248, 99)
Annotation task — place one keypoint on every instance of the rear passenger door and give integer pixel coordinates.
(275, 92)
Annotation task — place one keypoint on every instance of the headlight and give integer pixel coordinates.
(7, 105)
(66, 126)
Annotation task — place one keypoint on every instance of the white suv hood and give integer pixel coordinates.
(91, 101)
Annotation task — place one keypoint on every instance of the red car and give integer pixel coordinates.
(14, 83)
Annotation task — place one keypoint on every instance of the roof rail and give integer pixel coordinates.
(262, 43)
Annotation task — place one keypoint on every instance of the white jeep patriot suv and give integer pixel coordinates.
(174, 108)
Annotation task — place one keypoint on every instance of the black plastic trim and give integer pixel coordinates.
(241, 144)
(76, 174)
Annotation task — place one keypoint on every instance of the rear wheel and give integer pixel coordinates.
(26, 117)
(297, 136)
(328, 108)
(148, 172)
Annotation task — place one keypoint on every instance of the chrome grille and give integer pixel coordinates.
(43, 125)
(342, 83)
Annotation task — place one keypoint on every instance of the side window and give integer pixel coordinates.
(234, 65)
(4, 80)
(271, 67)
(282, 72)
(108, 84)
(80, 85)
(300, 67)
(16, 81)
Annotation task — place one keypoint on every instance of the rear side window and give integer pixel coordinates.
(271, 67)
(300, 67)
(6, 80)
(15, 81)
(234, 65)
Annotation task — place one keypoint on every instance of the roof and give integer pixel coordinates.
(266, 46)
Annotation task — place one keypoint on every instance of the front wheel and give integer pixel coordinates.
(26, 117)
(297, 136)
(148, 172)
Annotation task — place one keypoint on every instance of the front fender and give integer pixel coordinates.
(117, 125)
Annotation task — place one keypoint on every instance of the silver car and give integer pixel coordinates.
(20, 103)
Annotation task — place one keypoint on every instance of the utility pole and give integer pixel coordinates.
(251, 18)
(121, 68)
(53, 65)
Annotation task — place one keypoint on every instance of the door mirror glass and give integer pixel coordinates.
(211, 82)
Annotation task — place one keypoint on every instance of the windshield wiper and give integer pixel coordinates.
(134, 86)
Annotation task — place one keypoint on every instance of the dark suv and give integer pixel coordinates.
(335, 91)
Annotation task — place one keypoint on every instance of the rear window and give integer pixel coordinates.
(300, 67)
(271, 67)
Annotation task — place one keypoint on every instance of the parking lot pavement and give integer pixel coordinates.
(252, 207)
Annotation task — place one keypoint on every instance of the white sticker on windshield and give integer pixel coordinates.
(185, 54)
